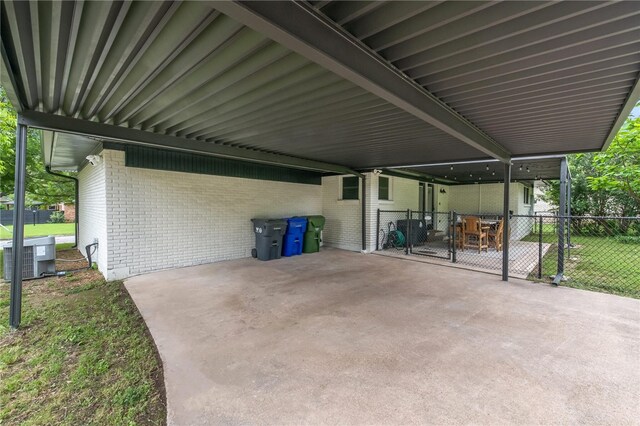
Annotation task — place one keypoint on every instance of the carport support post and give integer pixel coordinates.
(364, 213)
(454, 225)
(407, 231)
(378, 230)
(568, 212)
(15, 308)
(540, 247)
(506, 227)
(561, 220)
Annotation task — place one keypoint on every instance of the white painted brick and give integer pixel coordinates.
(158, 219)
(149, 220)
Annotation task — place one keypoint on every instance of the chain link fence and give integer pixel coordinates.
(390, 238)
(595, 253)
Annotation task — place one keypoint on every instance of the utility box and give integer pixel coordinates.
(269, 233)
(39, 258)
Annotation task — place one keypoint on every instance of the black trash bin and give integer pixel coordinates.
(269, 234)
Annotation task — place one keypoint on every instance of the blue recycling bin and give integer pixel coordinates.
(292, 241)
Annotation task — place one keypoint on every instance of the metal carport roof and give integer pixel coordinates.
(330, 85)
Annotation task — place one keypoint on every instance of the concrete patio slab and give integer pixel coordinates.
(344, 338)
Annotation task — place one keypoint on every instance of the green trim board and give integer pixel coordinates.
(177, 161)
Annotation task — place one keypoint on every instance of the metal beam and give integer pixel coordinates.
(419, 176)
(299, 27)
(111, 132)
(506, 225)
(629, 104)
(8, 81)
(15, 307)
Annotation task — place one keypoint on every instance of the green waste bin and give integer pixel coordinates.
(311, 244)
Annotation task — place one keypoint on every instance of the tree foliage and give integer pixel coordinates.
(618, 168)
(606, 183)
(40, 186)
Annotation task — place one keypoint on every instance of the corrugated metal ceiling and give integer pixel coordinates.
(536, 76)
(187, 70)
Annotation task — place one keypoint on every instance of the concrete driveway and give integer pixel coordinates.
(345, 338)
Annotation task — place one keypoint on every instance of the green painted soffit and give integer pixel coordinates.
(176, 161)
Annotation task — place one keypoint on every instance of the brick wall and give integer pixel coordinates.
(343, 217)
(69, 213)
(93, 212)
(159, 219)
(147, 220)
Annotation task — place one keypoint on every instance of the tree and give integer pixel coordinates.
(618, 168)
(606, 183)
(584, 200)
(40, 186)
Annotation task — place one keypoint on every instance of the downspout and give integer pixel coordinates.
(48, 169)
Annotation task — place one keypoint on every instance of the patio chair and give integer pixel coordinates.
(475, 235)
(495, 236)
(459, 242)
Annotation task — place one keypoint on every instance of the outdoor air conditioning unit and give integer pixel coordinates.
(39, 258)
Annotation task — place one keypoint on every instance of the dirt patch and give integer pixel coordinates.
(70, 259)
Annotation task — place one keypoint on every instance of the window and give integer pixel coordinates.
(350, 187)
(527, 195)
(384, 188)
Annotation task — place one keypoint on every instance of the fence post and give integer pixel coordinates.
(378, 230)
(454, 225)
(407, 230)
(540, 247)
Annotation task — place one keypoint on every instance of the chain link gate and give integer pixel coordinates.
(414, 232)
(429, 234)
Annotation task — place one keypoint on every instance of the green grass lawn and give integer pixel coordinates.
(41, 230)
(595, 263)
(82, 356)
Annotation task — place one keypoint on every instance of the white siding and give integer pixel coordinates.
(92, 211)
(487, 199)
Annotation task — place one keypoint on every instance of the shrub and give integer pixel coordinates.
(56, 217)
